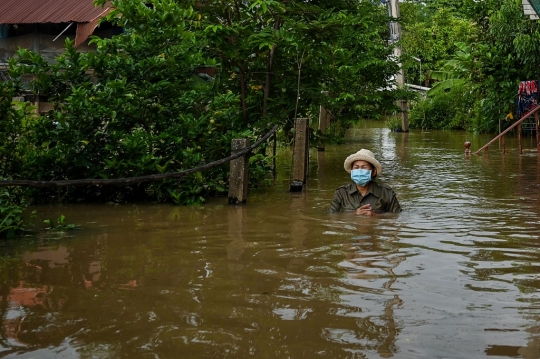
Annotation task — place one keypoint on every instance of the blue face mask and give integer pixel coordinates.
(361, 177)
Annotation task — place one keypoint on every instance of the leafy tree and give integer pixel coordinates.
(130, 108)
(445, 110)
(433, 41)
(143, 101)
(511, 47)
(496, 47)
(462, 69)
(272, 53)
(11, 209)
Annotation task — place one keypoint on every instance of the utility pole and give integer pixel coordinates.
(395, 36)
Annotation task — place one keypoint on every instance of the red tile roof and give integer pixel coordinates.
(49, 11)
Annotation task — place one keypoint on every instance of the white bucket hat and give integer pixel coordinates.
(362, 155)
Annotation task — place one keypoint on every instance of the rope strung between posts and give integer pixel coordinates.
(118, 181)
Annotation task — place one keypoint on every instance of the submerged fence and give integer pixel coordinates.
(237, 195)
(129, 180)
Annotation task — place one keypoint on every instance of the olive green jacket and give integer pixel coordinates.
(381, 197)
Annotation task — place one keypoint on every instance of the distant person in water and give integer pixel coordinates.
(364, 196)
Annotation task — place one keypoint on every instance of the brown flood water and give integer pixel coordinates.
(454, 276)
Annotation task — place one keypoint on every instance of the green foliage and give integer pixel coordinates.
(335, 132)
(60, 224)
(259, 168)
(511, 47)
(432, 40)
(394, 123)
(131, 108)
(11, 210)
(273, 52)
(461, 69)
(444, 110)
(15, 117)
(484, 47)
(142, 103)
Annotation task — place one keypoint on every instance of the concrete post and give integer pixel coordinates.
(239, 175)
(395, 35)
(300, 155)
(36, 103)
(323, 123)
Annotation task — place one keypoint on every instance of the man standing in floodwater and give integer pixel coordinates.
(364, 196)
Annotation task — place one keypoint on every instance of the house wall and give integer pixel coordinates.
(36, 42)
(39, 38)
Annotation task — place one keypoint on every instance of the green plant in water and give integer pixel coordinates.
(393, 122)
(259, 168)
(60, 224)
(11, 210)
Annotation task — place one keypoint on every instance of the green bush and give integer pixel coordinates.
(446, 110)
(143, 102)
(11, 209)
(111, 121)
(394, 122)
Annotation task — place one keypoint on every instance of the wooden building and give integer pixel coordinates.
(43, 26)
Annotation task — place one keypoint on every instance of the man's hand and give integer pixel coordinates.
(365, 210)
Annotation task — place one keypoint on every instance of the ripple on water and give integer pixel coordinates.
(454, 275)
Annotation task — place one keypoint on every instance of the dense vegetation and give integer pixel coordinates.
(185, 77)
(474, 54)
(182, 80)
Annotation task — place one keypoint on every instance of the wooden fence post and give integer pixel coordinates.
(300, 155)
(323, 123)
(520, 139)
(537, 133)
(239, 175)
(274, 153)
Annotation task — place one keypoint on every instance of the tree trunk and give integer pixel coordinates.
(243, 93)
(268, 81)
(269, 68)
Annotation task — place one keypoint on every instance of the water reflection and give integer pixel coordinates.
(237, 216)
(371, 259)
(453, 276)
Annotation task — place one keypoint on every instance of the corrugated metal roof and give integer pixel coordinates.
(49, 11)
